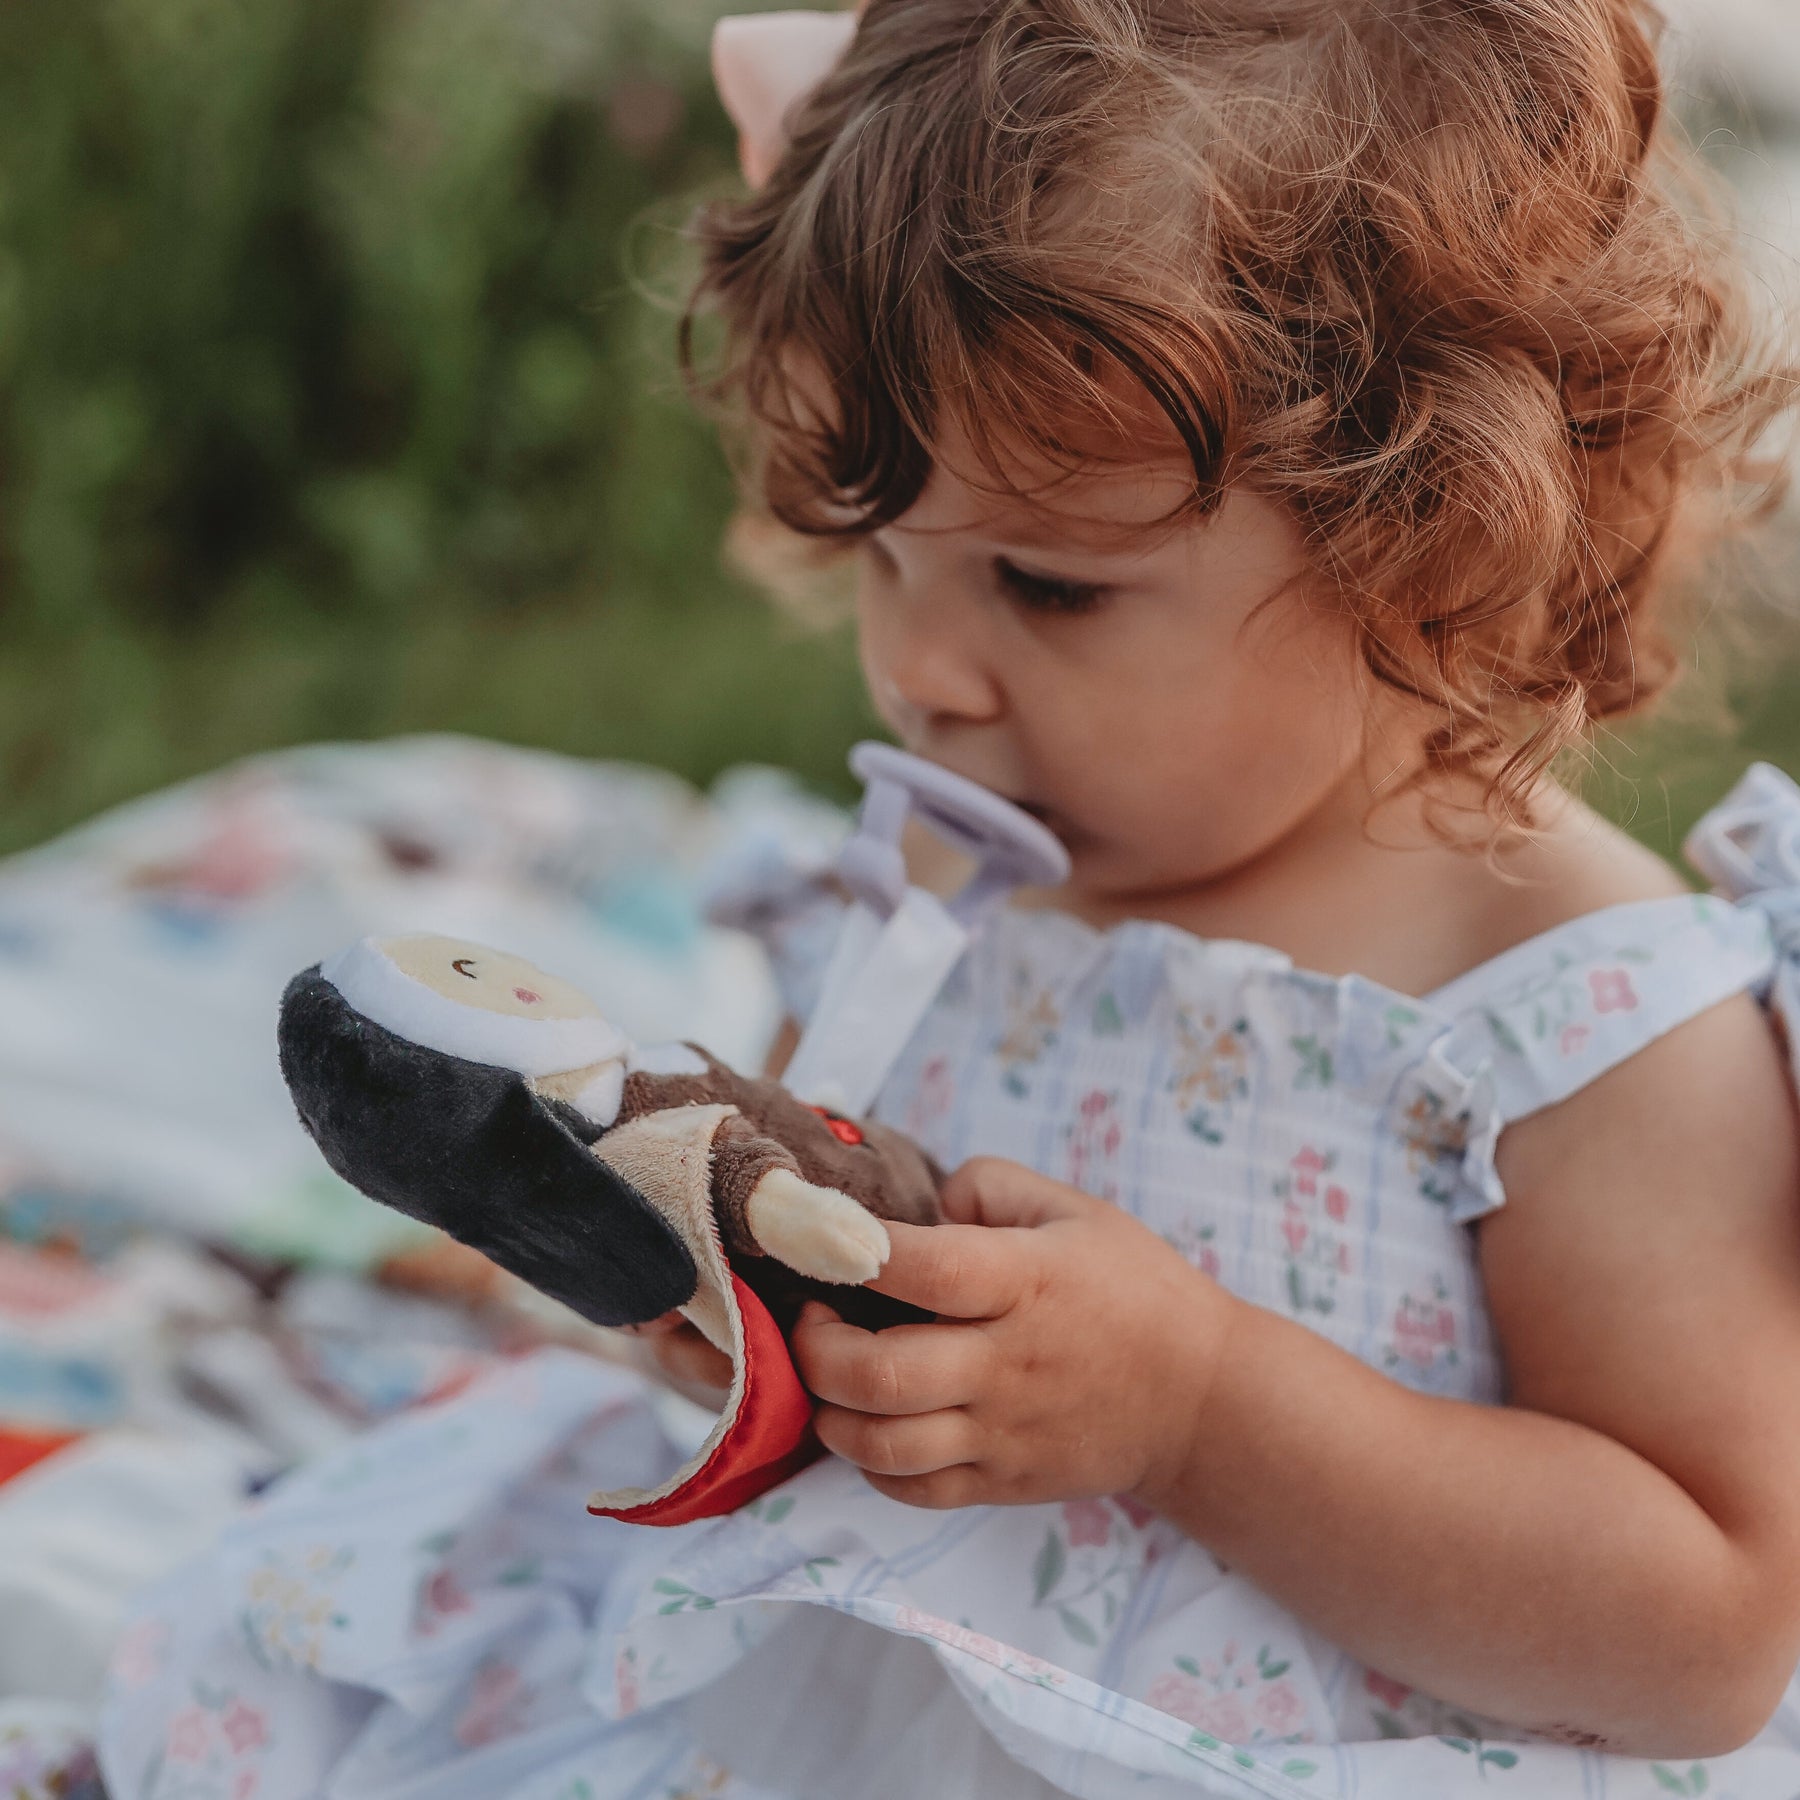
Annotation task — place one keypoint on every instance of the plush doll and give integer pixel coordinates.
(470, 1090)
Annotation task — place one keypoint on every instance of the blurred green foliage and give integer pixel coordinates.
(332, 403)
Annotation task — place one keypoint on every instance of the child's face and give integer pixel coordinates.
(1169, 703)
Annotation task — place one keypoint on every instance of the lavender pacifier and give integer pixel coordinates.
(898, 942)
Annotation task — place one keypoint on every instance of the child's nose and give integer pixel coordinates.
(927, 664)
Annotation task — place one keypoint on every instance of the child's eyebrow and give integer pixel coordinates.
(1032, 547)
(1056, 550)
(1112, 544)
(1094, 528)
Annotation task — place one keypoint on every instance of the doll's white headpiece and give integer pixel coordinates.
(376, 986)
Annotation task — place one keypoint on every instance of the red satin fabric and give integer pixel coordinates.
(769, 1439)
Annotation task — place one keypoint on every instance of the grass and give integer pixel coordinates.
(692, 683)
(693, 687)
(333, 404)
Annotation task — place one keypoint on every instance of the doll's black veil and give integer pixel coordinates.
(470, 1148)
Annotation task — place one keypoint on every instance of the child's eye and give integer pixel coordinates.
(1048, 593)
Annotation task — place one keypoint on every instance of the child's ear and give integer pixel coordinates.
(763, 65)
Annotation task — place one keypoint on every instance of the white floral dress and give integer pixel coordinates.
(431, 1613)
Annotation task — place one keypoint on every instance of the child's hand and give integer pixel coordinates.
(686, 1359)
(1072, 1354)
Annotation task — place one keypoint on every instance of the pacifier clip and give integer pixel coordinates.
(899, 943)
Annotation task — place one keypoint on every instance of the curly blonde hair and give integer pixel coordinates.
(1433, 274)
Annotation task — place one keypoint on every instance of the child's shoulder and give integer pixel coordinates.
(1705, 1063)
(1574, 866)
(1433, 913)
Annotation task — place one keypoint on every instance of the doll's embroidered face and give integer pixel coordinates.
(473, 975)
(479, 1004)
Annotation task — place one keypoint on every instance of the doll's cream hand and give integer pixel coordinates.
(1071, 1356)
(815, 1230)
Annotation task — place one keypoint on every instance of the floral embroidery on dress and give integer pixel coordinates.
(1211, 1073)
(441, 1594)
(292, 1605)
(977, 1643)
(1421, 1345)
(1557, 1005)
(934, 1097)
(771, 1509)
(628, 1695)
(217, 1742)
(1197, 1240)
(1397, 1024)
(1436, 1140)
(707, 1779)
(1234, 1699)
(140, 1654)
(495, 1707)
(1693, 1780)
(1403, 1712)
(1083, 1568)
(1315, 1250)
(682, 1598)
(1095, 1140)
(1316, 1068)
(1032, 1022)
(1612, 991)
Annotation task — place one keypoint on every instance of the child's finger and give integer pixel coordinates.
(964, 1484)
(960, 1271)
(659, 1327)
(989, 1190)
(906, 1369)
(688, 1356)
(911, 1446)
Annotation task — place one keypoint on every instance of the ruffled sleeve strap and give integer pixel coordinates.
(1539, 1023)
(1748, 847)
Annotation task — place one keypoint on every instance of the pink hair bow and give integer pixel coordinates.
(764, 64)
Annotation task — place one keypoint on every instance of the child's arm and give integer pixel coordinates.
(1615, 1556)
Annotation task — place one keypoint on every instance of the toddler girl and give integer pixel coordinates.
(1366, 1350)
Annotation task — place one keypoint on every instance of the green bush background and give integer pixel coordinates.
(333, 403)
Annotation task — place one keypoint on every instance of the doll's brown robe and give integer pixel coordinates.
(881, 1169)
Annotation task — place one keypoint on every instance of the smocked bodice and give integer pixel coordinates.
(1321, 1145)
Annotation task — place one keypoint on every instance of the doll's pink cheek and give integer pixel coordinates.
(526, 997)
